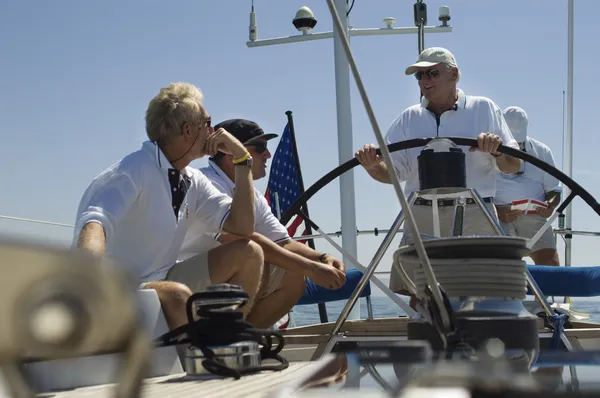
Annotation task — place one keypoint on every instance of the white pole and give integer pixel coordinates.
(569, 146)
(345, 143)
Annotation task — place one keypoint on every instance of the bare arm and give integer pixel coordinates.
(373, 163)
(379, 173)
(302, 249)
(276, 254)
(241, 219)
(508, 164)
(92, 238)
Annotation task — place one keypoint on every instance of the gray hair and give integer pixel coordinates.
(448, 67)
(171, 108)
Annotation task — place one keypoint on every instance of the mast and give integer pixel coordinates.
(569, 144)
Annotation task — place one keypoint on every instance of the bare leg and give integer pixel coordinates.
(239, 263)
(545, 257)
(269, 309)
(173, 297)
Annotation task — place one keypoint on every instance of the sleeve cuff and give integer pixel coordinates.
(98, 216)
(224, 218)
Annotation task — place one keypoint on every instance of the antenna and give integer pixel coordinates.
(253, 34)
(562, 163)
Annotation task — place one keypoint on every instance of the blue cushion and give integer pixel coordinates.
(316, 294)
(566, 281)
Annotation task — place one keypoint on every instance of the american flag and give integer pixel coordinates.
(283, 187)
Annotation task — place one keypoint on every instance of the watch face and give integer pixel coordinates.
(247, 162)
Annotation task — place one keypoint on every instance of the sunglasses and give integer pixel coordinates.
(259, 147)
(430, 73)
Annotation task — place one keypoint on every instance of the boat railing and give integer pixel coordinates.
(562, 232)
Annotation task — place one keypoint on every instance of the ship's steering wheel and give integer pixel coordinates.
(576, 189)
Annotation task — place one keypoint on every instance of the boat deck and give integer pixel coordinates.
(250, 386)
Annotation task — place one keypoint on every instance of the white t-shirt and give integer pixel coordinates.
(531, 182)
(132, 200)
(199, 239)
(471, 116)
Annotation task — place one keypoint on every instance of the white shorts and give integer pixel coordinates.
(526, 226)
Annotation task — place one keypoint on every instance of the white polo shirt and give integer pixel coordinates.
(471, 116)
(132, 200)
(531, 182)
(198, 239)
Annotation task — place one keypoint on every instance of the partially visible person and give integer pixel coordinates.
(445, 111)
(529, 183)
(287, 262)
(138, 210)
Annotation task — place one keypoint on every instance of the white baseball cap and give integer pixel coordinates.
(517, 122)
(430, 57)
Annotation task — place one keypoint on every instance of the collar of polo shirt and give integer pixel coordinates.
(163, 162)
(461, 102)
(222, 175)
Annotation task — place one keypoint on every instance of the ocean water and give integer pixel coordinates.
(383, 307)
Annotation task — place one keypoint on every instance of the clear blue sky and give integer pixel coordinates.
(77, 76)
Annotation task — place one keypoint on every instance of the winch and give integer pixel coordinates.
(484, 281)
(483, 278)
(221, 341)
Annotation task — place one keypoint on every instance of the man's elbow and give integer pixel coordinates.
(242, 226)
(92, 238)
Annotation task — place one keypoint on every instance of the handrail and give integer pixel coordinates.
(376, 232)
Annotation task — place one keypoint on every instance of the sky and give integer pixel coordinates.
(77, 77)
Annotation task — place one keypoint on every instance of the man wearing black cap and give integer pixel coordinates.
(287, 262)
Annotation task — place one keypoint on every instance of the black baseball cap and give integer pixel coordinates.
(245, 131)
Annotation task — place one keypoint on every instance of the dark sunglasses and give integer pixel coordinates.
(259, 147)
(430, 73)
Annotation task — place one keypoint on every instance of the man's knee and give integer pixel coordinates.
(249, 255)
(548, 256)
(172, 295)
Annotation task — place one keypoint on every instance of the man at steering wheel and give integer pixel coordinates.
(445, 111)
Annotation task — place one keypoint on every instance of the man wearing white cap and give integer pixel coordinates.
(446, 111)
(529, 183)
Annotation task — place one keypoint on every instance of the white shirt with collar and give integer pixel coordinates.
(531, 182)
(132, 200)
(470, 116)
(198, 239)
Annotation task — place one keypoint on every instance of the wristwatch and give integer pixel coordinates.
(247, 162)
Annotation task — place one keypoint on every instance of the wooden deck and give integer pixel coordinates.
(250, 386)
(302, 343)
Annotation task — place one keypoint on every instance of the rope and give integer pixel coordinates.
(558, 327)
(35, 221)
(216, 327)
(489, 277)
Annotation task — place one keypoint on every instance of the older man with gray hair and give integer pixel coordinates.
(138, 210)
(445, 111)
(529, 183)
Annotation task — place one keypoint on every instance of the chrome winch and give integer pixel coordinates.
(220, 341)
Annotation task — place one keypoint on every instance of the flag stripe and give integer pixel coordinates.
(283, 184)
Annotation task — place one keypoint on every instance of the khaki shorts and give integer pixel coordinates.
(526, 226)
(276, 275)
(475, 223)
(194, 273)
